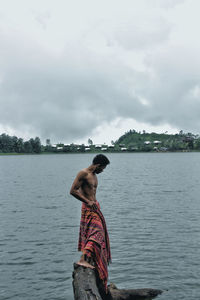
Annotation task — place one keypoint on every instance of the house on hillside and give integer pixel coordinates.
(60, 149)
(98, 146)
(163, 149)
(133, 148)
(66, 147)
(157, 142)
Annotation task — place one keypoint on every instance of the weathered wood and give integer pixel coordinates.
(133, 294)
(87, 286)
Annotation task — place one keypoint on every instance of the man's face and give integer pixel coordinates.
(99, 169)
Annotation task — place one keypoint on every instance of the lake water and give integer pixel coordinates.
(151, 205)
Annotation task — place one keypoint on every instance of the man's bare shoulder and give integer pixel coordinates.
(82, 173)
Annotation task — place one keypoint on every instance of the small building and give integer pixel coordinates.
(67, 148)
(157, 142)
(98, 146)
(163, 149)
(133, 148)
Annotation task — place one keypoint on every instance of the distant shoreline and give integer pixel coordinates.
(131, 141)
(114, 152)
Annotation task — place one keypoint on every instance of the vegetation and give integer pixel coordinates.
(137, 141)
(131, 141)
(13, 144)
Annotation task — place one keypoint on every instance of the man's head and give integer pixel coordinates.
(101, 161)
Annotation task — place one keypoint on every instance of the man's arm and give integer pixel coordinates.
(76, 188)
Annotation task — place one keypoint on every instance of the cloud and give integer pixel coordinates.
(167, 3)
(65, 86)
(42, 18)
(144, 34)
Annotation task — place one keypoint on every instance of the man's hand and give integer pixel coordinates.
(92, 204)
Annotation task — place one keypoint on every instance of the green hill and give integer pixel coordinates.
(137, 141)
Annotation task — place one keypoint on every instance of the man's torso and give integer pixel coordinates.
(89, 185)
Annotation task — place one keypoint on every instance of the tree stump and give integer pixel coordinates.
(87, 286)
(133, 294)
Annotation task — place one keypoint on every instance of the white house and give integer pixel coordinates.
(157, 142)
(98, 146)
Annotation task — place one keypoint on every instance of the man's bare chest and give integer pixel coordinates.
(92, 181)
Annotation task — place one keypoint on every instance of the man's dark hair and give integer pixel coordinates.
(101, 159)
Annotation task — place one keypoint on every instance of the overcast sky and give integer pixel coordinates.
(73, 70)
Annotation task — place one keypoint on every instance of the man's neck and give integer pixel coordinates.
(92, 169)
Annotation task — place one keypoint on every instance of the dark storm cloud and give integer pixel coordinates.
(67, 95)
(63, 98)
(176, 96)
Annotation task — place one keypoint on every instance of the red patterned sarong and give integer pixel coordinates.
(94, 239)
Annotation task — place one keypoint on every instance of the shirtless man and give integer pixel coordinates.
(84, 189)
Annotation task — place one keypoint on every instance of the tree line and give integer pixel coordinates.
(13, 144)
(130, 141)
